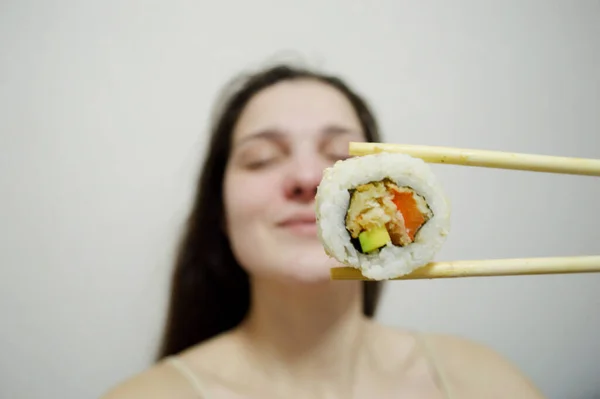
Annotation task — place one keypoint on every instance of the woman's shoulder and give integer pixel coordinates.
(160, 381)
(175, 377)
(475, 369)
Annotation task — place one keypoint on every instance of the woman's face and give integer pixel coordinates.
(285, 137)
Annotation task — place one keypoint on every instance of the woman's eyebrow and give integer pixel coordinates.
(335, 130)
(276, 135)
(268, 134)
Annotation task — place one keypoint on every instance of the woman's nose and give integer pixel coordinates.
(303, 193)
(302, 183)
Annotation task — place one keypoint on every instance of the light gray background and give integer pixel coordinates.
(103, 109)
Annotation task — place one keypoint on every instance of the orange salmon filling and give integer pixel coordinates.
(413, 218)
(382, 212)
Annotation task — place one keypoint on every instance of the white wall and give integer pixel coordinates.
(102, 115)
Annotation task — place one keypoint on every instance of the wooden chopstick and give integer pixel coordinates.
(484, 158)
(488, 267)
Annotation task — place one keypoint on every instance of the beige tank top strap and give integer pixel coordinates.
(435, 366)
(191, 377)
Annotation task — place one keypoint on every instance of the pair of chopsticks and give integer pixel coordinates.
(489, 159)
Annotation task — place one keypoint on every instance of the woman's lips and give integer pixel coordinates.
(306, 226)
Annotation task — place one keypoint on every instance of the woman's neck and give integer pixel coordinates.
(308, 332)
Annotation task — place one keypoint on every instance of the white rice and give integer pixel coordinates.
(332, 202)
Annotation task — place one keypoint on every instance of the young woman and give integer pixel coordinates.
(253, 313)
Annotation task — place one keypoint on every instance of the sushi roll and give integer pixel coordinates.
(385, 214)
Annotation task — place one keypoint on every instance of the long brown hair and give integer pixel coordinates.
(209, 289)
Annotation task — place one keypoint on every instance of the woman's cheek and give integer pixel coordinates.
(248, 197)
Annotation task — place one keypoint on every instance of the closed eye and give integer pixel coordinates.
(335, 145)
(260, 163)
(338, 157)
(259, 153)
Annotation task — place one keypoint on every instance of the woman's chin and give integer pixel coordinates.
(299, 270)
(310, 271)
